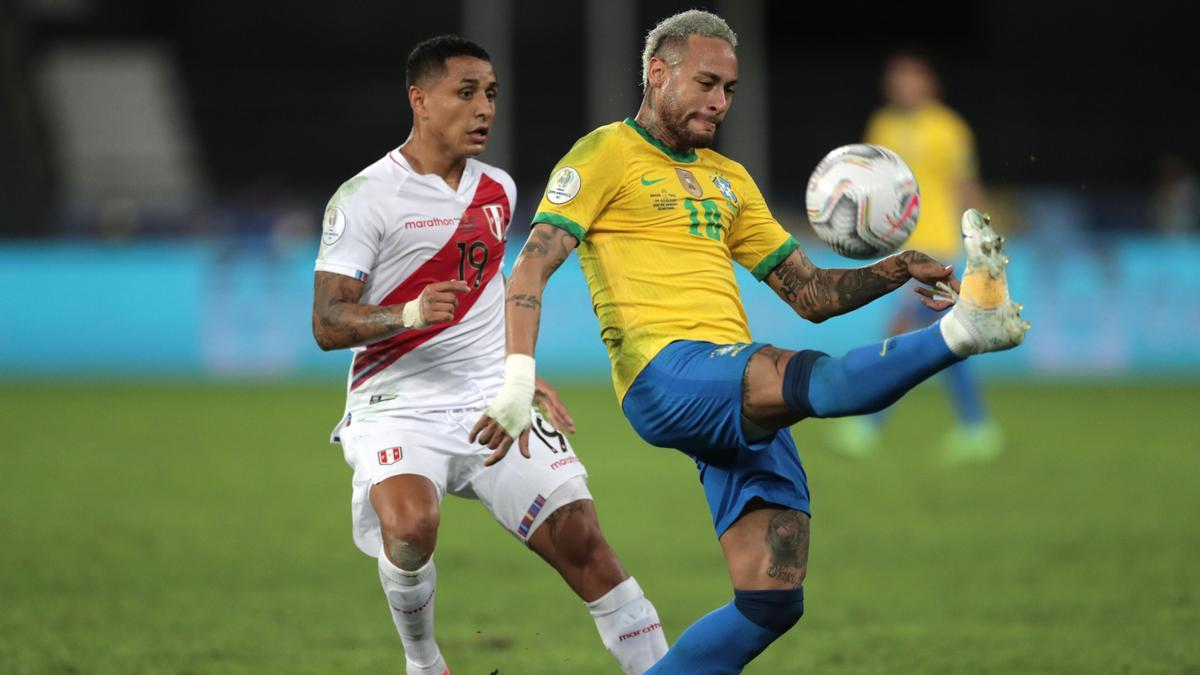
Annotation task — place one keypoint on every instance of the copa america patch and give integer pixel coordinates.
(390, 456)
(564, 185)
(334, 226)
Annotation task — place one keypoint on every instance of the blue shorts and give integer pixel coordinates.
(689, 397)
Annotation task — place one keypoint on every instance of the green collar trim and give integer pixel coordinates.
(686, 157)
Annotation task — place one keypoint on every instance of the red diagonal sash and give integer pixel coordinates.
(476, 225)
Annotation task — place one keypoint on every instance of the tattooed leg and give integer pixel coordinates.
(767, 548)
(764, 407)
(571, 541)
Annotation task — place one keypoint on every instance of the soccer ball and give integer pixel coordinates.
(863, 201)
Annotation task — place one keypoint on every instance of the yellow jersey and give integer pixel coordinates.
(937, 145)
(658, 231)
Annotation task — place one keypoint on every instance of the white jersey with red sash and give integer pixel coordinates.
(400, 231)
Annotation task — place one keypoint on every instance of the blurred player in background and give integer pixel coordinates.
(658, 219)
(938, 146)
(408, 276)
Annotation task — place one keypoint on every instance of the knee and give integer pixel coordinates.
(775, 610)
(409, 541)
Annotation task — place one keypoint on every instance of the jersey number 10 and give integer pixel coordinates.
(710, 219)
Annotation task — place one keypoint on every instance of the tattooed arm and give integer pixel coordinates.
(507, 418)
(339, 321)
(818, 294)
(544, 252)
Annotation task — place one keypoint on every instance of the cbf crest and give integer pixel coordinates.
(726, 189)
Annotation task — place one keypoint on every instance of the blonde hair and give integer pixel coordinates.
(672, 33)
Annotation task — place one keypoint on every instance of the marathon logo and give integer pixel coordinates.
(639, 632)
(563, 462)
(430, 222)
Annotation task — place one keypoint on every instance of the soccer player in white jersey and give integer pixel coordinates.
(408, 276)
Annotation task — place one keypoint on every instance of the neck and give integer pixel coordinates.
(426, 156)
(647, 116)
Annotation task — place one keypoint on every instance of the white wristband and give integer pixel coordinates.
(511, 406)
(411, 314)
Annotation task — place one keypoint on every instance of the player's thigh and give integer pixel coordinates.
(762, 388)
(521, 493)
(767, 547)
(400, 473)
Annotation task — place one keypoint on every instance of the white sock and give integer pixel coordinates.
(958, 334)
(410, 599)
(629, 627)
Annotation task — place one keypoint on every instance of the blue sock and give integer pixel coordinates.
(870, 378)
(721, 642)
(964, 391)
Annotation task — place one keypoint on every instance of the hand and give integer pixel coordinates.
(509, 415)
(490, 433)
(936, 276)
(545, 397)
(436, 304)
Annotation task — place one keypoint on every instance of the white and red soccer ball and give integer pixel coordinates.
(863, 201)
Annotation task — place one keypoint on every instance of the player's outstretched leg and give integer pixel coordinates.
(571, 541)
(870, 378)
(407, 506)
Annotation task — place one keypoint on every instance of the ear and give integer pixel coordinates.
(416, 99)
(658, 72)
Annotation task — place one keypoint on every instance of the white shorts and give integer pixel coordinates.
(520, 493)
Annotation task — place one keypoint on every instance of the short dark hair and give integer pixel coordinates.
(428, 59)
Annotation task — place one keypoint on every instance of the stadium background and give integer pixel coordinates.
(169, 503)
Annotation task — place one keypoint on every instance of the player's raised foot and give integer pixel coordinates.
(973, 444)
(854, 437)
(984, 318)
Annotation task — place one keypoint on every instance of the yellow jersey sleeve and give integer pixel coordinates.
(584, 182)
(757, 241)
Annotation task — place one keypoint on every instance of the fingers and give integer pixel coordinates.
(552, 407)
(500, 452)
(937, 305)
(559, 417)
(480, 425)
(439, 300)
(452, 286)
(524, 444)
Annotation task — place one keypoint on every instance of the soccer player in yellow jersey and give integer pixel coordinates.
(938, 146)
(659, 218)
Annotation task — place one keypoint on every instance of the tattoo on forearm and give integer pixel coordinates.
(787, 537)
(525, 301)
(822, 293)
(338, 318)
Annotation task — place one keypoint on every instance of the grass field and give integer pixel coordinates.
(205, 529)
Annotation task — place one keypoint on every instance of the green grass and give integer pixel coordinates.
(205, 529)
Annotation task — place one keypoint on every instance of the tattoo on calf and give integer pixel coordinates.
(787, 536)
